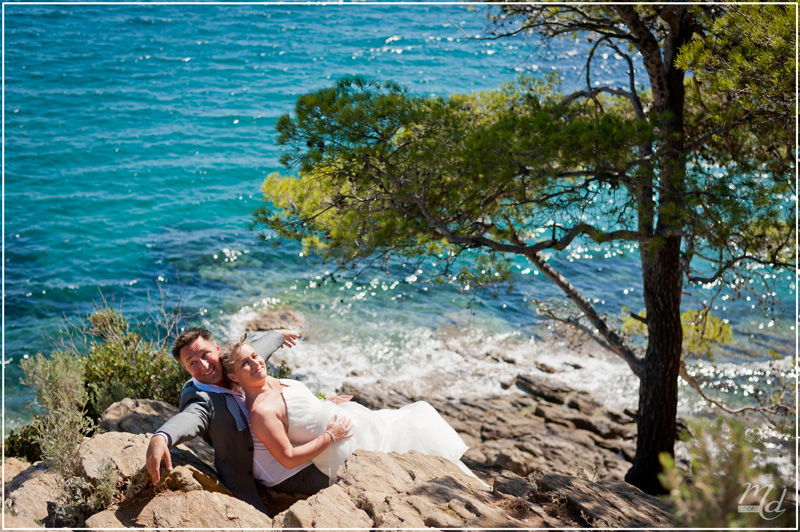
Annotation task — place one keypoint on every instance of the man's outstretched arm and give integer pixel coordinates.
(192, 421)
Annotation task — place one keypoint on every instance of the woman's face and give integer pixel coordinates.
(248, 367)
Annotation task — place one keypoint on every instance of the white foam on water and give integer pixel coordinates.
(460, 361)
(453, 361)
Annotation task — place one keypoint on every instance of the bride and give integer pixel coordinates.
(295, 427)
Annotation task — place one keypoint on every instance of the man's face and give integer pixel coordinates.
(201, 360)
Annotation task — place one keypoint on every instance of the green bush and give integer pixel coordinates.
(725, 477)
(60, 431)
(75, 385)
(123, 363)
(22, 443)
(57, 381)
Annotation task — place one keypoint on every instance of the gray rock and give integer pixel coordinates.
(399, 473)
(549, 427)
(16, 472)
(416, 490)
(189, 478)
(125, 451)
(104, 520)
(561, 500)
(543, 389)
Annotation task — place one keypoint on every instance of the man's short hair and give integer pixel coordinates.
(187, 337)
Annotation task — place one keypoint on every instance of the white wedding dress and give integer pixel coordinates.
(413, 427)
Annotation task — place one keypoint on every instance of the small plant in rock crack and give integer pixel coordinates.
(590, 472)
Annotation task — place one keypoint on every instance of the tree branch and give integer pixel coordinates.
(593, 92)
(684, 373)
(637, 103)
(730, 264)
(722, 129)
(546, 21)
(647, 44)
(592, 232)
(616, 344)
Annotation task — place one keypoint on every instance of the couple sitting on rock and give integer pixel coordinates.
(276, 432)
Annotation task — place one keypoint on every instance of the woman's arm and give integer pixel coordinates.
(268, 428)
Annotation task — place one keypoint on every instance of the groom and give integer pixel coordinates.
(210, 409)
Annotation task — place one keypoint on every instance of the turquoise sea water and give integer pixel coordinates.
(136, 139)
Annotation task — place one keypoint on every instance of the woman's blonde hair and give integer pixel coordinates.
(228, 352)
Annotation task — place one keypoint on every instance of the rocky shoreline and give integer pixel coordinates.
(553, 457)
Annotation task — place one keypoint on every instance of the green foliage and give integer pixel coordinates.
(383, 164)
(81, 498)
(57, 381)
(702, 331)
(60, 431)
(122, 363)
(748, 54)
(22, 443)
(282, 371)
(724, 475)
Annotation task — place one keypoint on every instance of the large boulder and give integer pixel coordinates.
(399, 491)
(145, 416)
(330, 508)
(16, 472)
(34, 496)
(194, 509)
(137, 416)
(126, 452)
(610, 503)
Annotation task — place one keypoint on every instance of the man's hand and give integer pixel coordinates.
(339, 399)
(289, 339)
(157, 451)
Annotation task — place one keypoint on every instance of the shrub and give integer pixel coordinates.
(724, 477)
(22, 443)
(123, 363)
(59, 432)
(57, 381)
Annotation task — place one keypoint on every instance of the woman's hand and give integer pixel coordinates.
(340, 430)
(339, 399)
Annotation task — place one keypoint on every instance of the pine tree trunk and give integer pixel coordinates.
(658, 386)
(662, 275)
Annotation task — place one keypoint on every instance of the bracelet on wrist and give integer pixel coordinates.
(332, 436)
